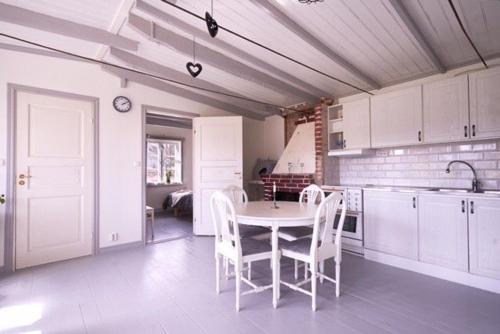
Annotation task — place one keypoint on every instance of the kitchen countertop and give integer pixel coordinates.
(485, 193)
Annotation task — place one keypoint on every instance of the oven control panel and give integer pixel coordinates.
(354, 200)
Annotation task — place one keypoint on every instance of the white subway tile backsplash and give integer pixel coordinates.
(421, 166)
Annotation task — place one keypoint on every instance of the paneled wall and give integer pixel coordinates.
(420, 166)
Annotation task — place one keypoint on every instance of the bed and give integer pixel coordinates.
(180, 201)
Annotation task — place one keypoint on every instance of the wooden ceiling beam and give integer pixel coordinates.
(402, 13)
(181, 92)
(152, 67)
(31, 19)
(215, 58)
(280, 16)
(202, 35)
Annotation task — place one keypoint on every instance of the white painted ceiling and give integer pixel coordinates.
(368, 33)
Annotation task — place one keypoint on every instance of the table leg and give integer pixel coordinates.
(276, 265)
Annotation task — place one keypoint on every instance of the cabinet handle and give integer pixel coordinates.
(414, 202)
(420, 136)
(345, 143)
(465, 131)
(472, 207)
(463, 206)
(473, 130)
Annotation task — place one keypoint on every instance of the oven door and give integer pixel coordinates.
(353, 226)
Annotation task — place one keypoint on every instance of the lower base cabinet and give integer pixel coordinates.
(484, 237)
(390, 223)
(442, 231)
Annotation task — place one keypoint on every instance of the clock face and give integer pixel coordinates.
(122, 104)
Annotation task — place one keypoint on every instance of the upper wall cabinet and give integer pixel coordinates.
(396, 118)
(356, 124)
(446, 110)
(485, 103)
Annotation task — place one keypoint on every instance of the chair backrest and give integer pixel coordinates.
(227, 235)
(322, 238)
(312, 193)
(236, 194)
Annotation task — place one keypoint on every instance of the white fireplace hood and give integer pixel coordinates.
(299, 155)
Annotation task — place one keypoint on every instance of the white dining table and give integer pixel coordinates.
(263, 213)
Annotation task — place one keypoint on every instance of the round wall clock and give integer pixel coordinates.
(122, 104)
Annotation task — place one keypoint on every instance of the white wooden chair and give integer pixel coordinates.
(321, 247)
(311, 194)
(229, 245)
(239, 196)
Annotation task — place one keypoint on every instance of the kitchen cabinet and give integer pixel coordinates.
(442, 231)
(484, 236)
(485, 103)
(390, 223)
(446, 110)
(356, 124)
(396, 118)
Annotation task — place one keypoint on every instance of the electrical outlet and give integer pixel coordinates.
(113, 237)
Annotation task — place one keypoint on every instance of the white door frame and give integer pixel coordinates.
(145, 108)
(12, 90)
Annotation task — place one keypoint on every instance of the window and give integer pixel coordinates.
(164, 161)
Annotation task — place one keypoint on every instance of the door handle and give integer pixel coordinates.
(420, 136)
(463, 206)
(465, 131)
(414, 202)
(472, 207)
(473, 130)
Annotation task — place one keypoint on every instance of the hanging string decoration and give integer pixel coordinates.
(193, 67)
(212, 26)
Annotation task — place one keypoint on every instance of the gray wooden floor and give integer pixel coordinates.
(169, 288)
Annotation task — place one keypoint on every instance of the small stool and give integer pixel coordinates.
(150, 215)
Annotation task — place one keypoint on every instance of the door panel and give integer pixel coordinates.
(54, 214)
(446, 110)
(485, 103)
(484, 237)
(218, 162)
(396, 118)
(390, 223)
(357, 124)
(443, 231)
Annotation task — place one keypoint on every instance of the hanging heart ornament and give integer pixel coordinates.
(194, 69)
(213, 27)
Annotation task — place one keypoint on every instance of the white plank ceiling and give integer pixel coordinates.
(369, 34)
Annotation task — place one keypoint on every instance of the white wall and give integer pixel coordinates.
(265, 140)
(119, 134)
(155, 195)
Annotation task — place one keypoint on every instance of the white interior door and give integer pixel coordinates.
(54, 179)
(217, 163)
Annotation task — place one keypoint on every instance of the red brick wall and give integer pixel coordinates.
(293, 183)
(320, 138)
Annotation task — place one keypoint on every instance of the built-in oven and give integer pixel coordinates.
(352, 231)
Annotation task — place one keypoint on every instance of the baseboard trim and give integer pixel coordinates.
(129, 245)
(483, 283)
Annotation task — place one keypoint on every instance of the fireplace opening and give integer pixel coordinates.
(287, 196)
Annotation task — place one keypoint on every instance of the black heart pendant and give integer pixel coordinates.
(194, 69)
(213, 27)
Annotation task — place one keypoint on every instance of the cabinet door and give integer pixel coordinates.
(390, 222)
(485, 103)
(446, 110)
(442, 224)
(484, 237)
(396, 118)
(356, 124)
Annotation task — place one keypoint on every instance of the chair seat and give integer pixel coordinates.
(301, 246)
(252, 246)
(294, 233)
(247, 231)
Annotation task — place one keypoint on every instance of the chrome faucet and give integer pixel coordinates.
(475, 182)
